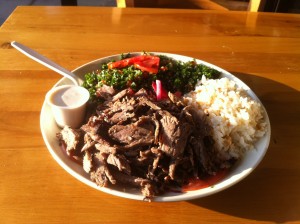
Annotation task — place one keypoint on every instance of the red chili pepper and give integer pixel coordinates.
(146, 63)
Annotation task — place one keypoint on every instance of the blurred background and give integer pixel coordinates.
(7, 6)
(279, 6)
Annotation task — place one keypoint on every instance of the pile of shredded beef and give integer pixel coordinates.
(132, 140)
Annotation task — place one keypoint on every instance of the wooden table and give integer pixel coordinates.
(262, 49)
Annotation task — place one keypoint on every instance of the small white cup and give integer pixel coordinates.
(68, 104)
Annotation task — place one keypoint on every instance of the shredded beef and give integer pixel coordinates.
(132, 140)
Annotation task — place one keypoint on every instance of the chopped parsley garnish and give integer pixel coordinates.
(176, 76)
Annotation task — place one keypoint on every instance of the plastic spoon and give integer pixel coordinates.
(45, 61)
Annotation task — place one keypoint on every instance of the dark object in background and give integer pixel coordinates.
(68, 2)
(282, 6)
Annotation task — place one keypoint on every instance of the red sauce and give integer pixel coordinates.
(196, 183)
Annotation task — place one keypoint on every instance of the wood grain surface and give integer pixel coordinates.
(262, 49)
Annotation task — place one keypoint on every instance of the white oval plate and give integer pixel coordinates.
(242, 169)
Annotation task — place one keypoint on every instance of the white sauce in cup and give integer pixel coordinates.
(68, 104)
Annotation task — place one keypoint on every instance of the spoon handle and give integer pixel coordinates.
(44, 61)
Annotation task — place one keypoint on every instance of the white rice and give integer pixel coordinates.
(237, 119)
